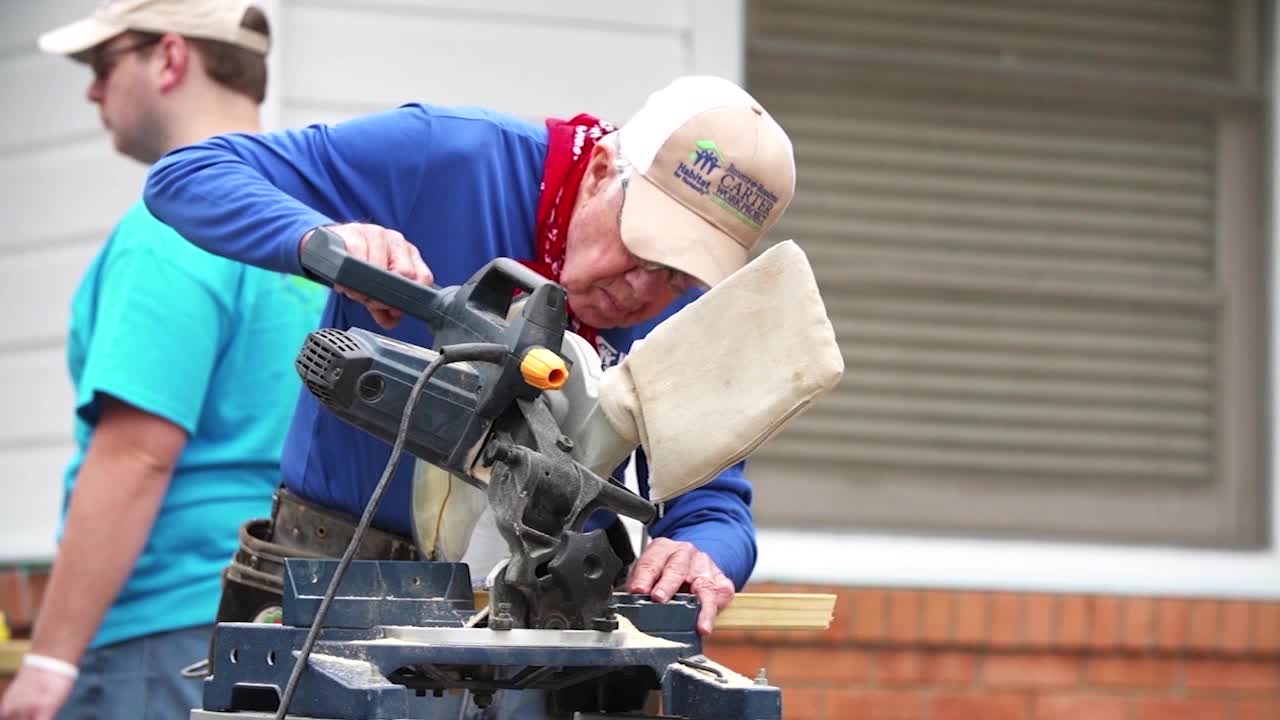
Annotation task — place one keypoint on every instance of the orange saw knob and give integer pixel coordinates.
(544, 369)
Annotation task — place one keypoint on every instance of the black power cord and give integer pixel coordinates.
(484, 352)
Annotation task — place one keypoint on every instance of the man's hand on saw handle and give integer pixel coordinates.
(666, 566)
(384, 249)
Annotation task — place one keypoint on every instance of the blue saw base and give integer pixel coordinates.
(395, 633)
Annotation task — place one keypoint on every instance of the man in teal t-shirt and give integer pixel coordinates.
(182, 363)
(205, 344)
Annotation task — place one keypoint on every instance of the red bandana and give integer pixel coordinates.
(568, 150)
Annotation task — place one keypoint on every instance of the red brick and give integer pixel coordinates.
(1122, 671)
(1233, 674)
(37, 583)
(802, 703)
(876, 705)
(910, 667)
(1074, 620)
(977, 707)
(904, 615)
(970, 611)
(1138, 623)
(10, 598)
(1105, 625)
(817, 666)
(15, 599)
(744, 659)
(725, 638)
(1172, 617)
(1039, 611)
(1032, 670)
(1266, 627)
(1235, 626)
(770, 637)
(1179, 709)
(869, 614)
(842, 617)
(1081, 707)
(1257, 709)
(1006, 620)
(1202, 625)
(935, 621)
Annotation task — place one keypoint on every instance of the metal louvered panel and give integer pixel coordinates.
(1187, 38)
(1039, 390)
(1028, 291)
(998, 188)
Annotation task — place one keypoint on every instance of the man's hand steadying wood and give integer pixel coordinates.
(668, 566)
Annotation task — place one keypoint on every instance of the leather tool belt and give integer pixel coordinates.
(253, 582)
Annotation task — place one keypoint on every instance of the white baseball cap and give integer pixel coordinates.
(209, 19)
(714, 171)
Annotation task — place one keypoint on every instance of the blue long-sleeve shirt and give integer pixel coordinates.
(462, 184)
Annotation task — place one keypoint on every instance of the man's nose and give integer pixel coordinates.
(94, 94)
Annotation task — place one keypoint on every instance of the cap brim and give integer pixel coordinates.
(77, 37)
(658, 228)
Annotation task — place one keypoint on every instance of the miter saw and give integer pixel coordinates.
(509, 403)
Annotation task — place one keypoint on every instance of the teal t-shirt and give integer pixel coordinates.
(207, 344)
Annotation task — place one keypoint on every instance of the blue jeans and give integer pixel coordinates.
(139, 679)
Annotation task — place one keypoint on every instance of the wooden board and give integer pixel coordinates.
(765, 611)
(778, 611)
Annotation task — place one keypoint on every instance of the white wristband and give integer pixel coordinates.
(52, 664)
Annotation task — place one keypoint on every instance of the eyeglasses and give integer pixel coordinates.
(104, 61)
(679, 282)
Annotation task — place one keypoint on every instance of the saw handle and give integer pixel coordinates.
(493, 287)
(324, 257)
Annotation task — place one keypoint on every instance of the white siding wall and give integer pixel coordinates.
(63, 187)
(551, 58)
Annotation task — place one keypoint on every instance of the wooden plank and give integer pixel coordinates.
(763, 611)
(778, 611)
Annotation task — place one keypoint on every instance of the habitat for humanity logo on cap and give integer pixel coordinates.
(743, 196)
(705, 158)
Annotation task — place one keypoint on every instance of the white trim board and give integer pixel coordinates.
(951, 563)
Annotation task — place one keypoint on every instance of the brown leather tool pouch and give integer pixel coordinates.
(253, 582)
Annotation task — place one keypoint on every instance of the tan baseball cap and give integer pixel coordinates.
(209, 19)
(714, 171)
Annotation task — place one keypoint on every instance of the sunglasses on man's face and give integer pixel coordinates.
(679, 282)
(103, 61)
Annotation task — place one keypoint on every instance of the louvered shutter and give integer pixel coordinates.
(1015, 211)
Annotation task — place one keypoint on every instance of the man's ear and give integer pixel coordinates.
(175, 54)
(599, 168)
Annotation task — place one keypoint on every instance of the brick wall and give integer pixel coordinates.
(950, 655)
(20, 592)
